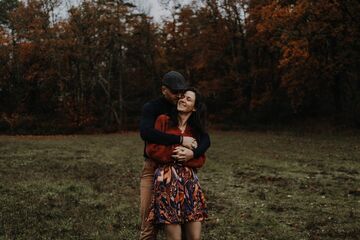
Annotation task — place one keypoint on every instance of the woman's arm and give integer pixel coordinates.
(196, 162)
(158, 152)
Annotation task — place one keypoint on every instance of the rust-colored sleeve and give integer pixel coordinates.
(157, 152)
(196, 162)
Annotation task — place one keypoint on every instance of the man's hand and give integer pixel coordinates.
(182, 154)
(189, 142)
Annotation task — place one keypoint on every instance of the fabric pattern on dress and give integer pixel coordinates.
(178, 197)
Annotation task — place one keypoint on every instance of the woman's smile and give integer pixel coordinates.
(187, 102)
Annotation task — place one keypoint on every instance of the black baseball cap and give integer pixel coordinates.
(175, 81)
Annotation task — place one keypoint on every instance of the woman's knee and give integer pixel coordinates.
(193, 231)
(173, 232)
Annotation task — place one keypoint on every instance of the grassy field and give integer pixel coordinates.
(259, 186)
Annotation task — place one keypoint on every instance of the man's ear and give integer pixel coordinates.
(163, 89)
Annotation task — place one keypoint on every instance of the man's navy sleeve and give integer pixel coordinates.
(147, 131)
(204, 144)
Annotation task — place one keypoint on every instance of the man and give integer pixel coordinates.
(173, 87)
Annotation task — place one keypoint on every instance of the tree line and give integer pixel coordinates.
(256, 61)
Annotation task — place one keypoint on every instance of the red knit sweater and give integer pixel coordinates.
(161, 153)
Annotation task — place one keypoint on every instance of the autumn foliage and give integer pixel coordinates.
(255, 61)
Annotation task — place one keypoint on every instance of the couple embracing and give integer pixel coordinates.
(173, 128)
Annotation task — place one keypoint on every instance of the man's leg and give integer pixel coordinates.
(148, 231)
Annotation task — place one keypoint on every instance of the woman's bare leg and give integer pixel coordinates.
(193, 230)
(173, 231)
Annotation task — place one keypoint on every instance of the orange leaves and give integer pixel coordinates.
(304, 37)
(4, 38)
(107, 59)
(261, 28)
(30, 21)
(295, 52)
(26, 49)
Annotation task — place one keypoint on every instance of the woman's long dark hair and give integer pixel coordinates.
(197, 119)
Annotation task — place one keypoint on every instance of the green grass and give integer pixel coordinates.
(258, 185)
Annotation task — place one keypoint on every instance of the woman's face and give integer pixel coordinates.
(187, 102)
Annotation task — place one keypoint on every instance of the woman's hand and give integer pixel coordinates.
(182, 154)
(189, 142)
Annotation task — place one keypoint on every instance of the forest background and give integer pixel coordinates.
(258, 62)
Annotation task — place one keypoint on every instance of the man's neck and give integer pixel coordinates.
(165, 100)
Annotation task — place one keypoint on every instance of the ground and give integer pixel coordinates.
(259, 185)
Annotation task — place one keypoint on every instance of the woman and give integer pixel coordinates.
(178, 198)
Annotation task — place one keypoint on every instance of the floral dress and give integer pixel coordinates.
(178, 197)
